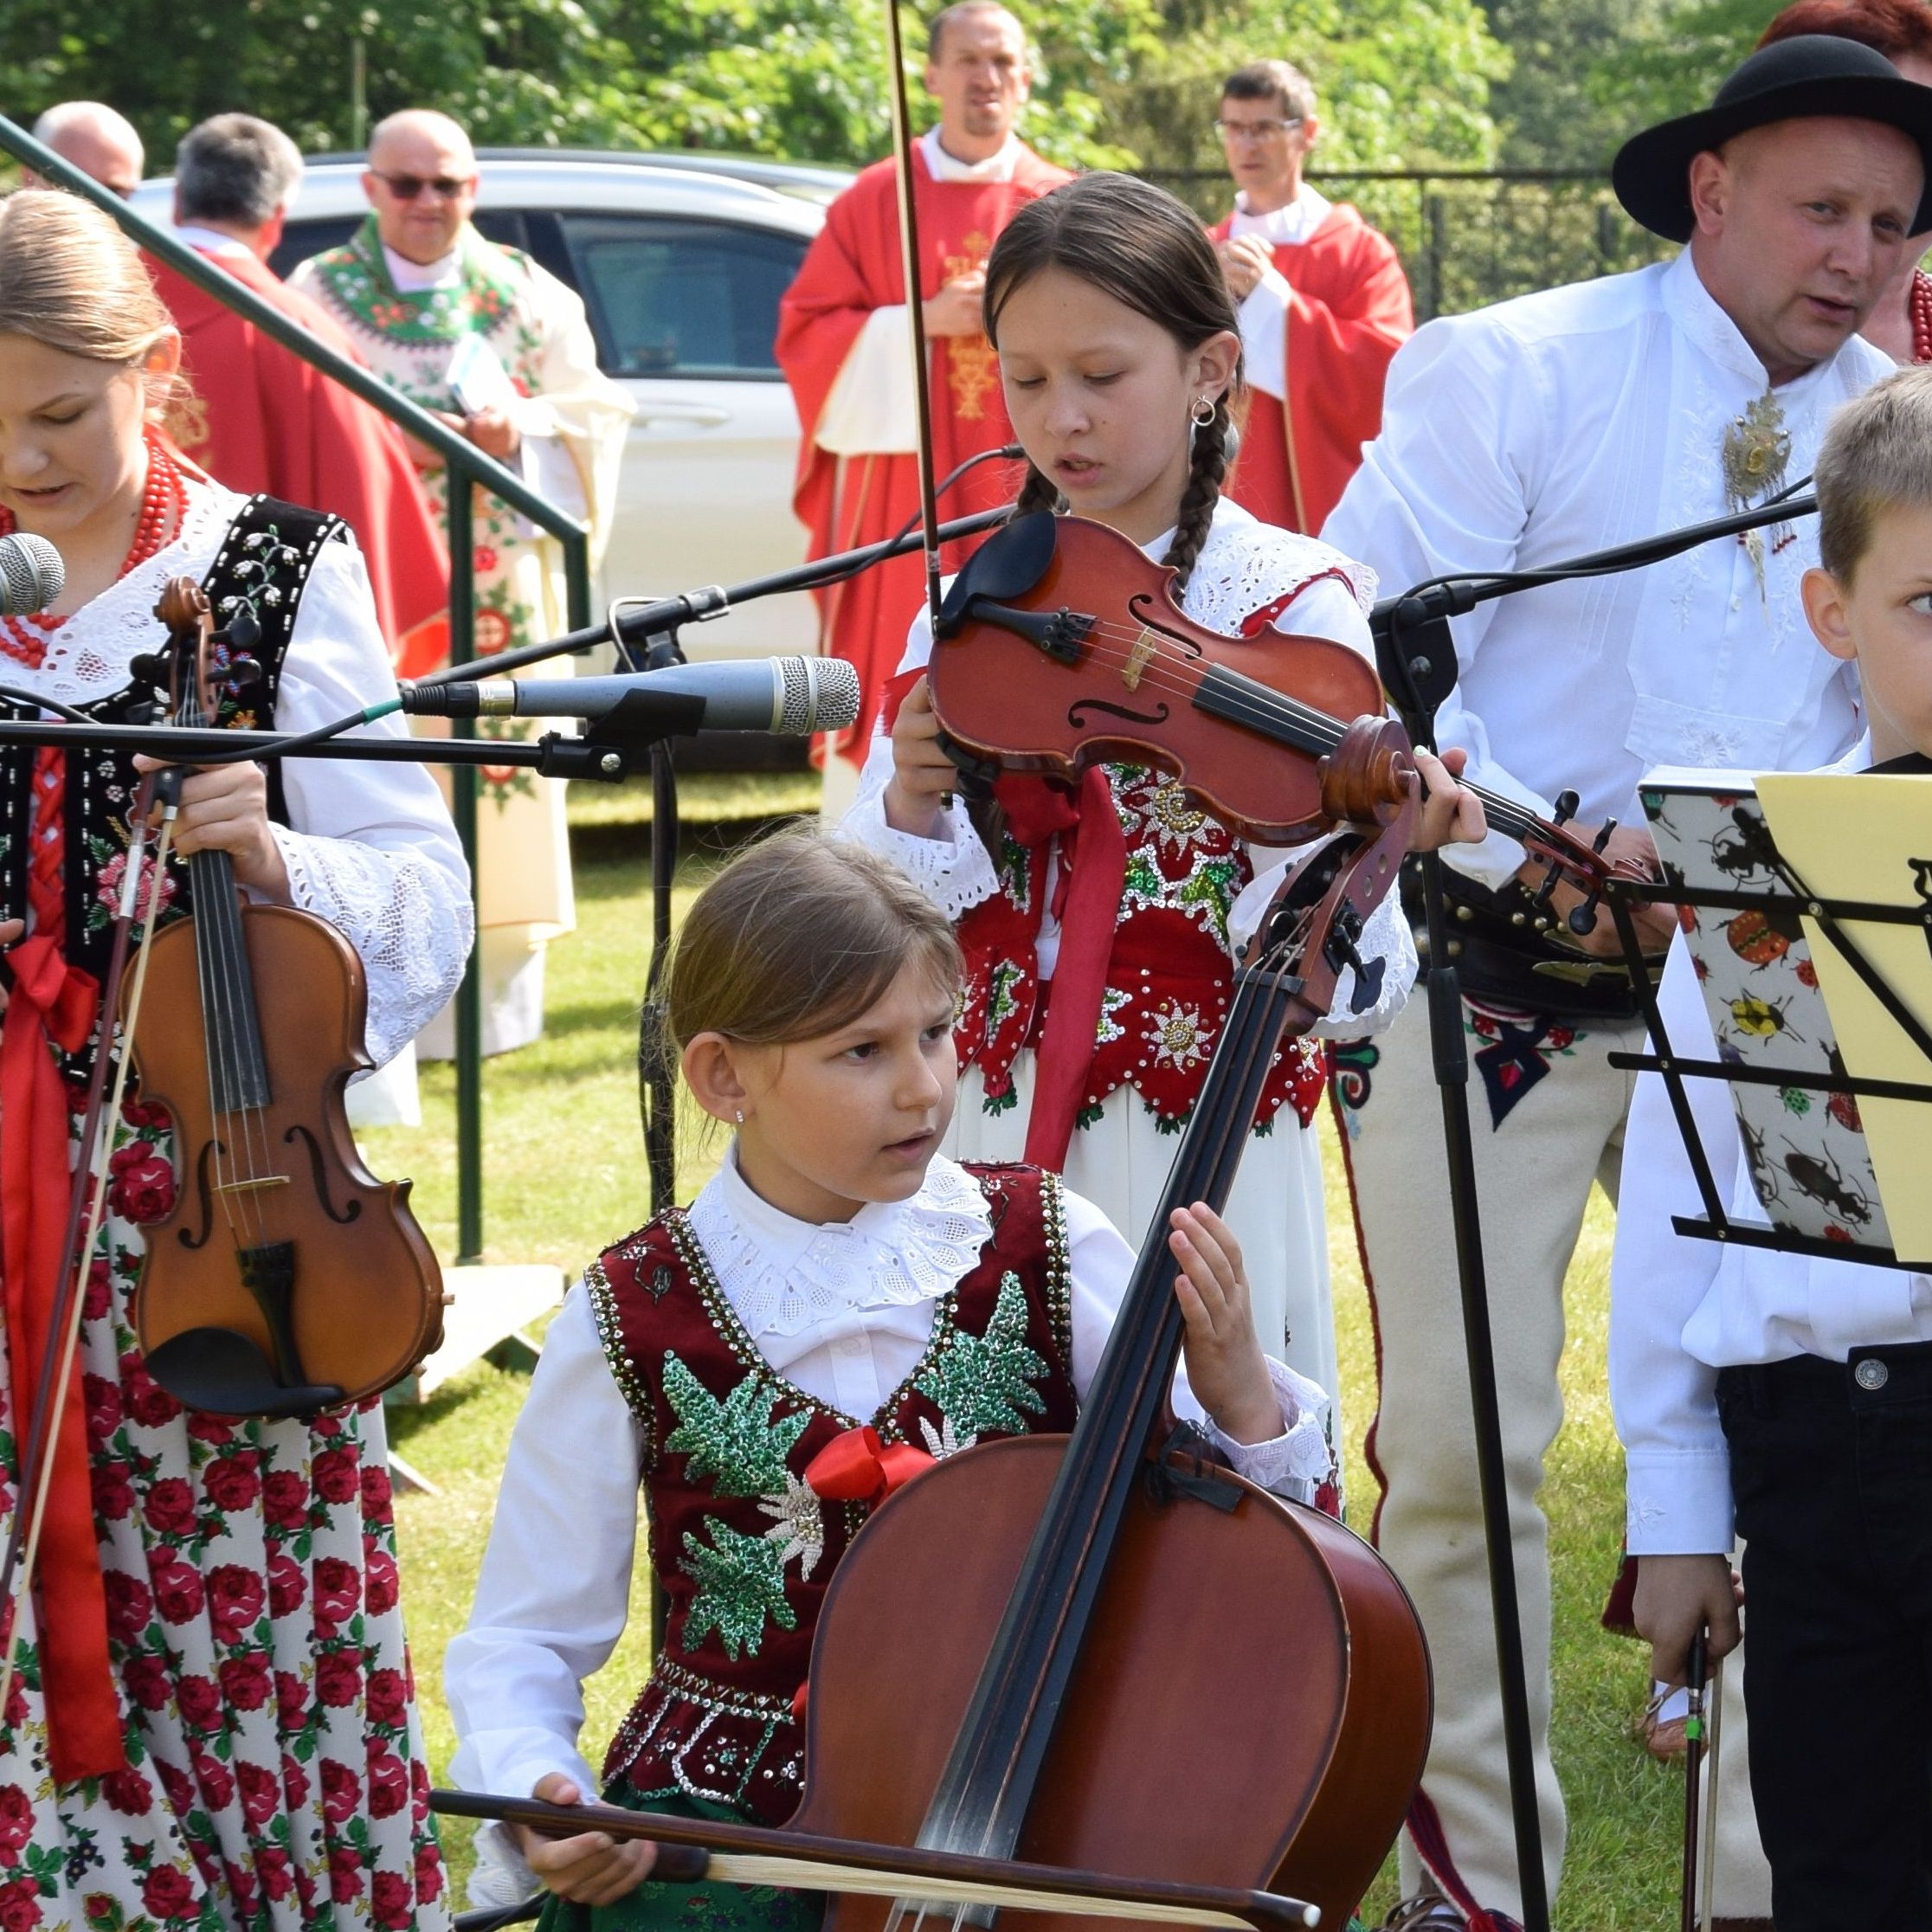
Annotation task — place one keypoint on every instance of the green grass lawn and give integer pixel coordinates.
(564, 1177)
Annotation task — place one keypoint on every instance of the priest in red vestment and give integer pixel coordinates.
(1324, 304)
(261, 419)
(843, 341)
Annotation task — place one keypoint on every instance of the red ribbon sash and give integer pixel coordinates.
(53, 1004)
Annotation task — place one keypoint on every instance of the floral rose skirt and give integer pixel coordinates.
(276, 1775)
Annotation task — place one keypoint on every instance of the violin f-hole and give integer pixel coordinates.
(1077, 715)
(1145, 611)
(299, 1133)
(205, 1194)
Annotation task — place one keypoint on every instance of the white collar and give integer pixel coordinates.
(1858, 758)
(1285, 226)
(410, 277)
(210, 242)
(781, 1274)
(942, 166)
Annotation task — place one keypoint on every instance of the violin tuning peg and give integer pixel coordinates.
(142, 713)
(1583, 918)
(1567, 804)
(243, 673)
(148, 667)
(244, 632)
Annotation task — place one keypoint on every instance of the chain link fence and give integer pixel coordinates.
(1469, 236)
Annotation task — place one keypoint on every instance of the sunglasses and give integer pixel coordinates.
(1254, 130)
(406, 187)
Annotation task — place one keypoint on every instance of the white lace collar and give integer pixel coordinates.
(782, 1275)
(87, 657)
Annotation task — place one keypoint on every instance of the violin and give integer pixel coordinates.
(285, 1278)
(1061, 646)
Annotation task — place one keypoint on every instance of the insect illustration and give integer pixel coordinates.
(1763, 1173)
(1743, 848)
(1761, 939)
(1820, 1179)
(1762, 1019)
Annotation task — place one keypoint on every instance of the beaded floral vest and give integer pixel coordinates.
(1169, 975)
(261, 570)
(741, 1547)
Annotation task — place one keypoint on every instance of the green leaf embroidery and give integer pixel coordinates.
(985, 1382)
(741, 1584)
(734, 1442)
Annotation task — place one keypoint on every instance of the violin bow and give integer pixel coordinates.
(909, 257)
(88, 1197)
(1695, 1681)
(691, 1850)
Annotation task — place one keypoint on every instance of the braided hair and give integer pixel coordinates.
(1136, 243)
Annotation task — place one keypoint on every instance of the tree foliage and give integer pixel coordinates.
(1122, 82)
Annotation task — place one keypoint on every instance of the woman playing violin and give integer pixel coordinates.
(211, 1721)
(1121, 362)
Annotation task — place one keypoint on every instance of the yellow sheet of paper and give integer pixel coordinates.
(1854, 836)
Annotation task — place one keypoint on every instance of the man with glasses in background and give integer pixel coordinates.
(1324, 304)
(501, 351)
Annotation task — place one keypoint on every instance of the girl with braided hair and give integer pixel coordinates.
(1120, 357)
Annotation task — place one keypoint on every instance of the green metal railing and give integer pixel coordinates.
(468, 467)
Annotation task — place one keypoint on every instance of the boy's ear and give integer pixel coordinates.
(711, 1072)
(1824, 611)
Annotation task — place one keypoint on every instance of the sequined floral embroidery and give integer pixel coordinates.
(735, 1443)
(741, 1588)
(985, 1382)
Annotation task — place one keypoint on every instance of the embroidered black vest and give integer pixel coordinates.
(262, 568)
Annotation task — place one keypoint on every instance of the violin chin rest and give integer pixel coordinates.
(226, 1374)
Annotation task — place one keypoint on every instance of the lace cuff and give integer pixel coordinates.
(955, 871)
(409, 919)
(1295, 1463)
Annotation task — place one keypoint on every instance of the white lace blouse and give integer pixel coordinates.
(371, 849)
(844, 1312)
(1244, 566)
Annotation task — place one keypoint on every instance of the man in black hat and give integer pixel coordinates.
(1556, 424)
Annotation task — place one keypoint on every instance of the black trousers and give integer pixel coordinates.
(1832, 1470)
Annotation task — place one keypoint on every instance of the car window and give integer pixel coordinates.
(669, 296)
(302, 238)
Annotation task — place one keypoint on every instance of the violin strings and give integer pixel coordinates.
(1169, 672)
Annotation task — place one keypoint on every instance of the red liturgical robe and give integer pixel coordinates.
(853, 267)
(263, 420)
(1349, 312)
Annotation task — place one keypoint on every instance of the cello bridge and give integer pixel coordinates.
(1144, 650)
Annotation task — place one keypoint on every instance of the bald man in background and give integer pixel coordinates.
(501, 350)
(95, 139)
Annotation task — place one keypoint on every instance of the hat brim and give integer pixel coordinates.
(1652, 171)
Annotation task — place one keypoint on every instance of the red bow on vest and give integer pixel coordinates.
(857, 1467)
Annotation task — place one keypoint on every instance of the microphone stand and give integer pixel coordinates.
(1416, 656)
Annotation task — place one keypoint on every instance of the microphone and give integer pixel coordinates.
(792, 696)
(31, 574)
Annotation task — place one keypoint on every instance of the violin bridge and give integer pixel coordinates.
(1145, 648)
(253, 1183)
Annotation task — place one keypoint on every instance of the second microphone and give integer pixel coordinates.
(791, 696)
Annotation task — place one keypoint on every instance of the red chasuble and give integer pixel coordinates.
(1347, 313)
(853, 268)
(263, 419)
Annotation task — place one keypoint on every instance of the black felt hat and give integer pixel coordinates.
(1804, 78)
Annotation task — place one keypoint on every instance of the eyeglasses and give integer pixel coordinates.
(406, 187)
(1254, 130)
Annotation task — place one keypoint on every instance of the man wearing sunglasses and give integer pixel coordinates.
(1324, 304)
(501, 350)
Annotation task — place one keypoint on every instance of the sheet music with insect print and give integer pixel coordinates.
(1807, 1150)
(1867, 838)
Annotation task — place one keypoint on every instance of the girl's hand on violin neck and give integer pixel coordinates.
(1451, 814)
(921, 773)
(591, 1869)
(225, 809)
(1226, 1369)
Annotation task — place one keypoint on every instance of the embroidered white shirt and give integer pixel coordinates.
(1563, 422)
(551, 1601)
(1681, 1307)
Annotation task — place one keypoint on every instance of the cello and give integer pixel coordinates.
(285, 1278)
